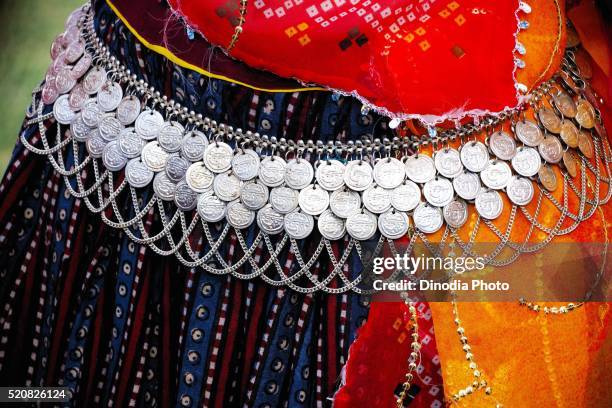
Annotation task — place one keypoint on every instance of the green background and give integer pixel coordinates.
(27, 28)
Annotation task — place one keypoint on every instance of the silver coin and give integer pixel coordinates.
(198, 177)
(420, 168)
(272, 171)
(474, 156)
(448, 163)
(148, 124)
(549, 119)
(49, 94)
(313, 200)
(393, 224)
(502, 145)
(64, 81)
(551, 149)
(467, 185)
(284, 199)
(170, 136)
(184, 197)
(74, 51)
(344, 202)
(270, 221)
(406, 196)
(163, 187)
(298, 225)
(254, 195)
(210, 208)
(110, 127)
(298, 173)
(194, 144)
(489, 204)
(438, 192)
(528, 132)
(527, 161)
(128, 110)
(154, 156)
(362, 225)
(130, 143)
(110, 96)
(330, 174)
(80, 131)
(112, 157)
(496, 175)
(56, 47)
(81, 67)
(389, 173)
(520, 190)
(238, 216)
(137, 173)
(427, 218)
(95, 144)
(77, 97)
(227, 186)
(330, 226)
(94, 80)
(91, 113)
(245, 164)
(218, 157)
(455, 213)
(358, 175)
(62, 111)
(377, 199)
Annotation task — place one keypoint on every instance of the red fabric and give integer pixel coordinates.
(388, 51)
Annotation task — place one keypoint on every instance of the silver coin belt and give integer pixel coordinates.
(374, 189)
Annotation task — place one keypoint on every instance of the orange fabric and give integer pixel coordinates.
(592, 32)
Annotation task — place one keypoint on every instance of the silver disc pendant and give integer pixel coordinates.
(549, 120)
(455, 213)
(199, 178)
(344, 202)
(496, 175)
(502, 145)
(565, 104)
(377, 199)
(130, 143)
(284, 199)
(551, 149)
(110, 127)
(393, 224)
(64, 81)
(210, 208)
(361, 225)
(170, 136)
(358, 175)
(80, 131)
(227, 186)
(270, 221)
(238, 216)
(520, 190)
(128, 110)
(154, 156)
(91, 113)
(137, 173)
(438, 192)
(527, 161)
(406, 196)
(112, 158)
(330, 174)
(420, 168)
(448, 163)
(389, 173)
(245, 164)
(163, 187)
(62, 111)
(148, 124)
(474, 156)
(298, 225)
(528, 132)
(218, 157)
(298, 173)
(330, 226)
(193, 145)
(94, 80)
(272, 171)
(489, 204)
(74, 51)
(77, 97)
(95, 144)
(427, 218)
(467, 185)
(313, 200)
(110, 96)
(184, 197)
(254, 195)
(81, 67)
